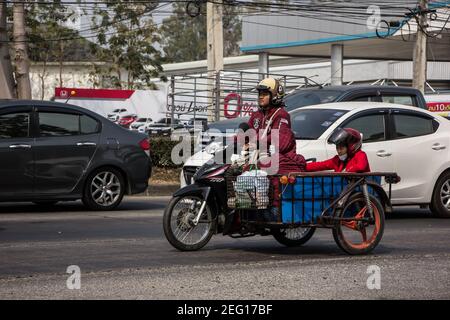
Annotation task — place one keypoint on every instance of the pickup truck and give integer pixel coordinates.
(318, 95)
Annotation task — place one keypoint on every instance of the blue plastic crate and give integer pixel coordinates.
(304, 201)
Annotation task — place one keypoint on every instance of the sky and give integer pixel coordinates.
(83, 22)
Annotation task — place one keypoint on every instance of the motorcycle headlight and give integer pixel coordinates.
(214, 147)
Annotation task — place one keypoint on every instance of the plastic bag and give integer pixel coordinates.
(251, 179)
(252, 189)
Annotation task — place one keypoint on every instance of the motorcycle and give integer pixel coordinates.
(198, 211)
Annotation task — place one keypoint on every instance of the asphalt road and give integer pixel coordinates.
(123, 254)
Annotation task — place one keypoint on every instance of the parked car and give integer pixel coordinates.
(141, 124)
(126, 120)
(164, 127)
(413, 142)
(53, 152)
(201, 123)
(317, 95)
(116, 114)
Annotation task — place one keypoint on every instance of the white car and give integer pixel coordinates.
(410, 141)
(116, 114)
(141, 124)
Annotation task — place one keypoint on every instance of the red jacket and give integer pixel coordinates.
(357, 163)
(289, 160)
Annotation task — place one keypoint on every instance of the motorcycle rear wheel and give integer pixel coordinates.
(294, 237)
(178, 223)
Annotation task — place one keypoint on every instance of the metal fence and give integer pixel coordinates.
(221, 95)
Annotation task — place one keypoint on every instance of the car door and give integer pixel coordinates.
(16, 151)
(64, 147)
(373, 124)
(420, 149)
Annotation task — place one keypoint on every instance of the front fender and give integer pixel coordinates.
(193, 190)
(200, 191)
(385, 201)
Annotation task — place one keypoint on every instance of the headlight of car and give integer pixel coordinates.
(214, 147)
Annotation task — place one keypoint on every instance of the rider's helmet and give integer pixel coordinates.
(349, 137)
(275, 89)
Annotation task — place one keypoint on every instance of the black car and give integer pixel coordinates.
(164, 127)
(53, 152)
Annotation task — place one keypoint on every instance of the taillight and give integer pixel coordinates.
(145, 145)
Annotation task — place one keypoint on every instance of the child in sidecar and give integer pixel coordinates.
(349, 158)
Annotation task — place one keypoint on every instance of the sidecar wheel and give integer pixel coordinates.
(357, 238)
(178, 223)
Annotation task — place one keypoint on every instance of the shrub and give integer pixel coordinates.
(161, 151)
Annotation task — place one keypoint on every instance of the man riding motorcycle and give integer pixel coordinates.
(269, 117)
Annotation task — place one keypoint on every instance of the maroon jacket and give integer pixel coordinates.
(289, 160)
(357, 163)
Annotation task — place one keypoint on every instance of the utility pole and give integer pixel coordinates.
(420, 49)
(22, 62)
(337, 64)
(7, 89)
(214, 48)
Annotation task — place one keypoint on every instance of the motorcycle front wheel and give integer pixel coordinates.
(179, 227)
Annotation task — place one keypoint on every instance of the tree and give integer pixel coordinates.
(21, 60)
(51, 41)
(184, 37)
(127, 30)
(36, 29)
(7, 90)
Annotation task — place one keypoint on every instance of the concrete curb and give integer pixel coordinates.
(159, 190)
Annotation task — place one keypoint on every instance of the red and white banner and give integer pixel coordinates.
(143, 103)
(438, 103)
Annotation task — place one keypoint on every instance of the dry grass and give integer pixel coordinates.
(163, 176)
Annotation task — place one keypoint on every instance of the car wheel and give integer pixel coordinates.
(104, 189)
(440, 203)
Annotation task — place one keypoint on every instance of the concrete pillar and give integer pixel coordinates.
(337, 64)
(263, 65)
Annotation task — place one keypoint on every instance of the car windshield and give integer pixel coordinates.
(116, 110)
(310, 97)
(141, 120)
(160, 125)
(167, 121)
(192, 122)
(310, 124)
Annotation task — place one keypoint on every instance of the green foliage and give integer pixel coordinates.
(49, 40)
(183, 38)
(128, 31)
(161, 152)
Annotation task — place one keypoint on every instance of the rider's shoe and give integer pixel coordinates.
(228, 225)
